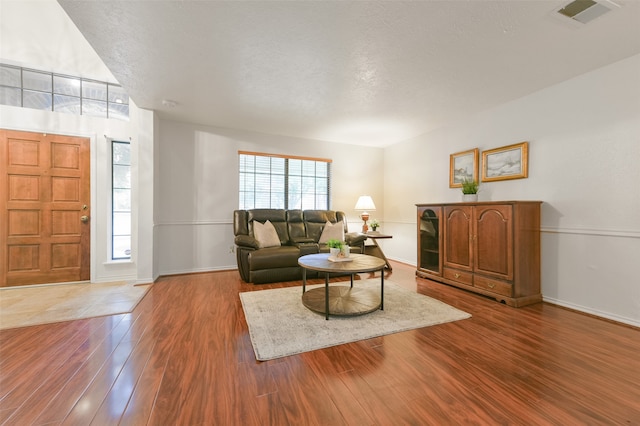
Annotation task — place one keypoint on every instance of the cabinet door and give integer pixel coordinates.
(429, 241)
(493, 241)
(458, 251)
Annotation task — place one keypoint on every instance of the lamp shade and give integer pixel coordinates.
(365, 202)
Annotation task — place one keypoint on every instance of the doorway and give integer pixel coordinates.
(44, 208)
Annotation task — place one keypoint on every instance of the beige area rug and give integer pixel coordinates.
(280, 325)
(25, 306)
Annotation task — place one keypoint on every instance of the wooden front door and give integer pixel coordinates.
(44, 208)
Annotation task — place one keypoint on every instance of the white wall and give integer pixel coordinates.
(197, 189)
(141, 135)
(584, 151)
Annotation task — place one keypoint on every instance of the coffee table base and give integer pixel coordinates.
(343, 300)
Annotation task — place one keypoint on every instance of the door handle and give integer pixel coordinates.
(84, 219)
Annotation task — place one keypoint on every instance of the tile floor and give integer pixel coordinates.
(24, 306)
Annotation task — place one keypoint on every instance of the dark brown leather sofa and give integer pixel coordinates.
(299, 232)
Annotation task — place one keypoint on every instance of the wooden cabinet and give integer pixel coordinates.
(491, 248)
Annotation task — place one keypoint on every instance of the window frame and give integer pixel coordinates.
(112, 209)
(117, 107)
(321, 201)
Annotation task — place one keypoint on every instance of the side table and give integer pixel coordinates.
(375, 249)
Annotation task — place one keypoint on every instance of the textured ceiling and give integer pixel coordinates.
(358, 72)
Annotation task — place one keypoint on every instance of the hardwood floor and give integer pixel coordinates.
(183, 357)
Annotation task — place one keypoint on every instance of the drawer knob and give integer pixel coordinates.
(457, 275)
(491, 285)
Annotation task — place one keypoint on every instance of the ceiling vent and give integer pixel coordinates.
(585, 11)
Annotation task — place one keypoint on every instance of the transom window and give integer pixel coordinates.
(28, 88)
(284, 182)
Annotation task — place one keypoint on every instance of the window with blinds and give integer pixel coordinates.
(283, 182)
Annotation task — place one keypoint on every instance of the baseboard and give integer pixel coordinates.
(197, 271)
(403, 261)
(593, 312)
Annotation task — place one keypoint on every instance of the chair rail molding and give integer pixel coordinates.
(622, 233)
(196, 223)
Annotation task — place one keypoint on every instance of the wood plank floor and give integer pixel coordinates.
(183, 357)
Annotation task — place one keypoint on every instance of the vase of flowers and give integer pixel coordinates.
(375, 224)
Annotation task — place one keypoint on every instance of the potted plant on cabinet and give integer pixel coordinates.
(470, 190)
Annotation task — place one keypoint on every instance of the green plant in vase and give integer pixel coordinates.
(333, 243)
(336, 247)
(375, 224)
(470, 190)
(470, 187)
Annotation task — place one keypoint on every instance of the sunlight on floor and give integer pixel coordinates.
(24, 306)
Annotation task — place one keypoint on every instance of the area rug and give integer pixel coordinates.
(280, 325)
(36, 305)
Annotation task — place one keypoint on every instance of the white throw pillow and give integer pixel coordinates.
(332, 231)
(266, 234)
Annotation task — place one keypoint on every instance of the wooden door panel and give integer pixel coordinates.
(23, 258)
(65, 255)
(65, 189)
(65, 156)
(24, 188)
(23, 223)
(457, 243)
(23, 152)
(494, 241)
(65, 223)
(42, 197)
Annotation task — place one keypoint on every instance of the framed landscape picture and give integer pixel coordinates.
(463, 165)
(507, 162)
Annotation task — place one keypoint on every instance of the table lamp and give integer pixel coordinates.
(365, 203)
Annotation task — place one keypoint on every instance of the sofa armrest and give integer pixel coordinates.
(246, 241)
(355, 238)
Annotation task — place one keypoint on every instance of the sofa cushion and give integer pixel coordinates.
(276, 216)
(274, 257)
(332, 231)
(296, 227)
(316, 220)
(266, 234)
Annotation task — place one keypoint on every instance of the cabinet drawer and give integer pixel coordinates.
(458, 276)
(494, 286)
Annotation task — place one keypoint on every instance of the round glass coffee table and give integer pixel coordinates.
(341, 300)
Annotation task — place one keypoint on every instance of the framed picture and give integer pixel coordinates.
(507, 162)
(463, 165)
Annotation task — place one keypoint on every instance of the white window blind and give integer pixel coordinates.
(283, 182)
